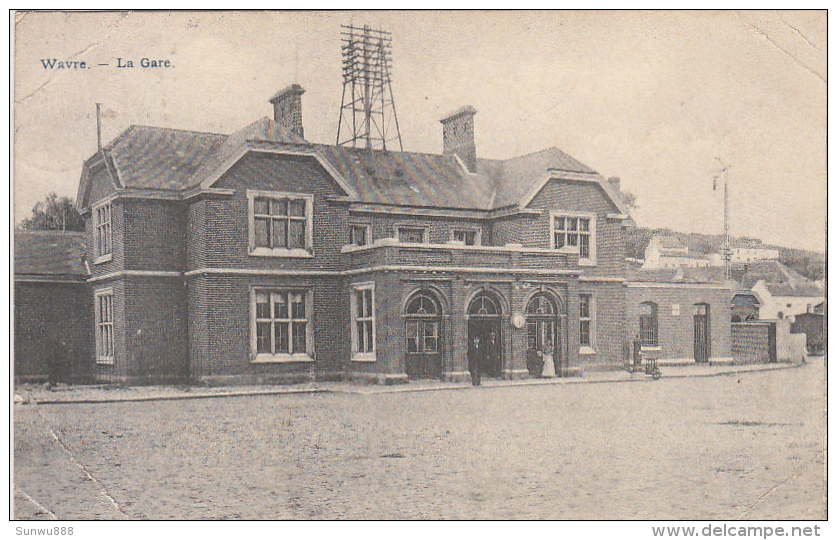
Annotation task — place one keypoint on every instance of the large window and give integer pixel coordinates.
(363, 322)
(280, 223)
(104, 232)
(104, 327)
(648, 324)
(282, 324)
(585, 320)
(577, 231)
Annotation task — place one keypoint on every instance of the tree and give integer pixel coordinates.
(54, 214)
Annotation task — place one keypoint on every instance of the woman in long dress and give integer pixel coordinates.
(548, 362)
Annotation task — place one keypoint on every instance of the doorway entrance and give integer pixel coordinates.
(484, 329)
(423, 354)
(543, 337)
(702, 333)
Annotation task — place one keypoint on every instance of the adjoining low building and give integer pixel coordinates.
(53, 306)
(680, 316)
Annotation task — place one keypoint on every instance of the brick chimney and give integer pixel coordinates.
(287, 109)
(458, 136)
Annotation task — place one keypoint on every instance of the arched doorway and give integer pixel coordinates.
(543, 337)
(702, 334)
(423, 354)
(484, 314)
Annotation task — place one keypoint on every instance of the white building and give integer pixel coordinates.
(669, 252)
(786, 300)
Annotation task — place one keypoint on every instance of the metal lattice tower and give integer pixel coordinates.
(367, 111)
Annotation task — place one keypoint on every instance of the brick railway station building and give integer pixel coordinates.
(259, 257)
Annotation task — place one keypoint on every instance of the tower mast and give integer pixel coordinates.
(367, 110)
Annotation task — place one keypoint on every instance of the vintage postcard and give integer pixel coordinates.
(460, 265)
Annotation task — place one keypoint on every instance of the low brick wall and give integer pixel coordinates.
(753, 342)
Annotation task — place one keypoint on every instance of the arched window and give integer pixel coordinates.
(423, 317)
(485, 306)
(648, 324)
(422, 304)
(540, 305)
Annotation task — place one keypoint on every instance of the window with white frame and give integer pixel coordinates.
(577, 231)
(411, 235)
(280, 223)
(104, 232)
(585, 320)
(469, 237)
(363, 321)
(281, 324)
(104, 327)
(358, 234)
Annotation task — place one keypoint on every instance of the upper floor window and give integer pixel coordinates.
(358, 234)
(411, 235)
(280, 223)
(648, 324)
(282, 325)
(104, 326)
(104, 232)
(577, 231)
(469, 237)
(363, 322)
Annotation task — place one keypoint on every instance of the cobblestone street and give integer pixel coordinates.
(739, 446)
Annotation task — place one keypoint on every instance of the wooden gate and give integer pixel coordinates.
(702, 334)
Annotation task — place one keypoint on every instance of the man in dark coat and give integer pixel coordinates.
(475, 354)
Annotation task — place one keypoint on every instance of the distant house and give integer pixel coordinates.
(53, 307)
(669, 252)
(786, 300)
(743, 250)
(680, 316)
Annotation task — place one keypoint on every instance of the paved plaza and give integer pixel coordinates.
(744, 445)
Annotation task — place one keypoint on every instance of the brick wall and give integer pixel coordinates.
(609, 303)
(226, 241)
(155, 330)
(753, 342)
(220, 329)
(154, 234)
(53, 328)
(574, 197)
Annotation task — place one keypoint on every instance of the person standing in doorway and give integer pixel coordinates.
(548, 360)
(475, 354)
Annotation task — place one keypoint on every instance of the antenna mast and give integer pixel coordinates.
(367, 111)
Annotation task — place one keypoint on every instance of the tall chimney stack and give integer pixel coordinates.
(287, 109)
(458, 136)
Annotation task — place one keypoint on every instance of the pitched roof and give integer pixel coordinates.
(671, 242)
(803, 289)
(50, 253)
(770, 271)
(712, 274)
(177, 160)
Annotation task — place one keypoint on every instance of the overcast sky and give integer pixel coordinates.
(663, 100)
